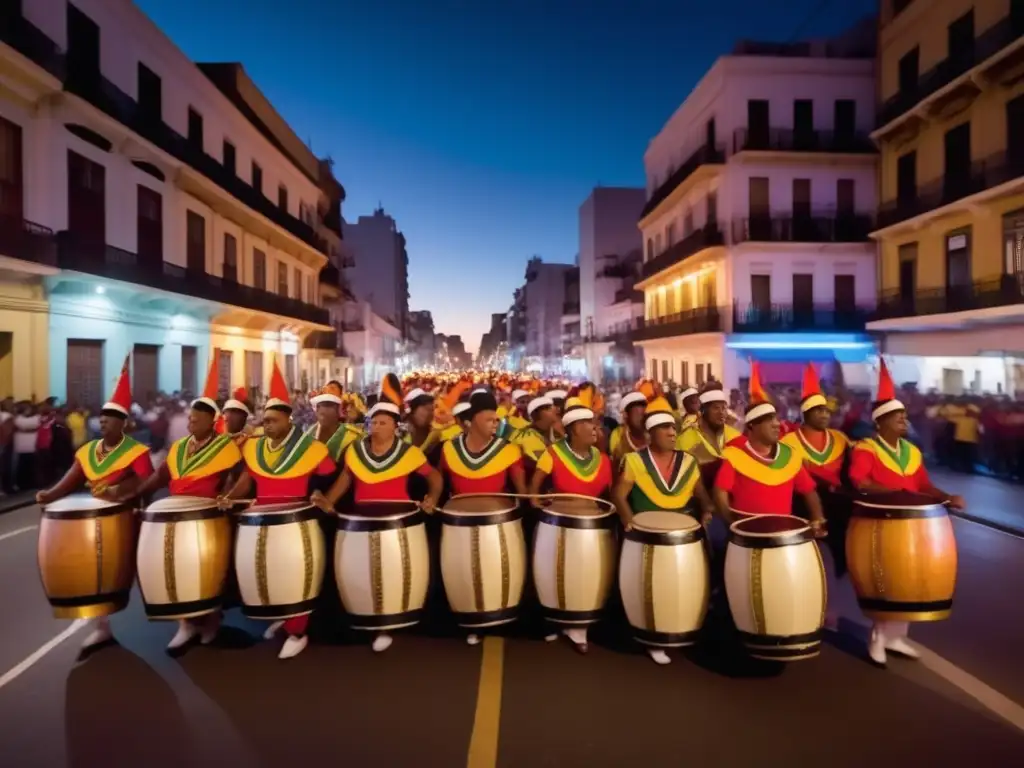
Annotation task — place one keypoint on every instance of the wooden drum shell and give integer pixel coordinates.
(279, 561)
(902, 558)
(775, 583)
(183, 559)
(483, 560)
(664, 579)
(86, 555)
(574, 563)
(382, 565)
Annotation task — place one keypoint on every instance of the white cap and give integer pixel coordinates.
(557, 394)
(633, 398)
(762, 409)
(658, 418)
(208, 402)
(237, 405)
(538, 402)
(889, 406)
(688, 392)
(573, 415)
(713, 396)
(518, 393)
(414, 393)
(384, 406)
(460, 408)
(326, 397)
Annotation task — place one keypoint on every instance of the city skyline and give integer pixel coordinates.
(452, 147)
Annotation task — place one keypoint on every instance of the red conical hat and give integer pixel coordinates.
(760, 404)
(121, 402)
(279, 399)
(237, 402)
(210, 390)
(810, 390)
(885, 400)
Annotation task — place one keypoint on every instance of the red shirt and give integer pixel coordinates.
(384, 478)
(570, 475)
(206, 487)
(490, 471)
(897, 470)
(759, 486)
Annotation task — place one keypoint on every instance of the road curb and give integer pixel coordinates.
(1008, 529)
(15, 506)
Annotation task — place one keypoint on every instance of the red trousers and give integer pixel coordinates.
(296, 626)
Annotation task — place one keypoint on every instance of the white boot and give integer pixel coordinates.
(877, 643)
(272, 630)
(551, 638)
(578, 636)
(382, 642)
(473, 639)
(210, 627)
(293, 646)
(186, 631)
(658, 656)
(896, 640)
(99, 632)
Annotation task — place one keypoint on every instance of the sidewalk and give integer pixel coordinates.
(14, 501)
(991, 502)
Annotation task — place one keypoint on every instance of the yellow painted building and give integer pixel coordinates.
(24, 333)
(950, 227)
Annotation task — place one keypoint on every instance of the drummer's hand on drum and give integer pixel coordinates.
(42, 497)
(321, 502)
(956, 502)
(224, 502)
(428, 505)
(818, 529)
(538, 503)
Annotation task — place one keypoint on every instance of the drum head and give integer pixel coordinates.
(80, 502)
(182, 504)
(662, 521)
(579, 508)
(478, 505)
(769, 525)
(276, 509)
(377, 510)
(896, 499)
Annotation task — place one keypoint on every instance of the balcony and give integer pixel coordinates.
(706, 155)
(31, 42)
(629, 294)
(112, 101)
(117, 264)
(571, 308)
(984, 175)
(991, 42)
(812, 141)
(706, 237)
(322, 341)
(28, 241)
(823, 228)
(999, 291)
(701, 320)
(775, 318)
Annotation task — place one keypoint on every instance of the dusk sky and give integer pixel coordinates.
(481, 126)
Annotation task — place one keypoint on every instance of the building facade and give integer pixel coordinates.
(380, 273)
(421, 347)
(183, 212)
(951, 223)
(761, 190)
(370, 344)
(543, 307)
(493, 349)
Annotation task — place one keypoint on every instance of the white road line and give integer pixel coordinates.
(988, 697)
(15, 532)
(16, 671)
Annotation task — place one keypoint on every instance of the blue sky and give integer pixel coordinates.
(481, 126)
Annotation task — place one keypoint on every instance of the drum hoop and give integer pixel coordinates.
(272, 509)
(870, 505)
(446, 510)
(258, 517)
(159, 507)
(666, 538)
(733, 528)
(95, 505)
(608, 506)
(689, 518)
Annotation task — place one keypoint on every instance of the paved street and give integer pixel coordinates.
(517, 701)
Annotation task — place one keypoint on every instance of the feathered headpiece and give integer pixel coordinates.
(659, 412)
(760, 403)
(589, 395)
(649, 388)
(810, 390)
(331, 392)
(389, 399)
(444, 406)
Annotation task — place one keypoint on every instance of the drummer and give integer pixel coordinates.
(379, 466)
(707, 436)
(329, 428)
(574, 466)
(659, 477)
(197, 465)
(885, 463)
(759, 474)
(428, 421)
(236, 414)
(281, 463)
(536, 438)
(479, 462)
(689, 402)
(111, 467)
(516, 414)
(630, 435)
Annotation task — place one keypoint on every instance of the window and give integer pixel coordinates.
(801, 198)
(195, 129)
(230, 258)
(960, 38)
(958, 160)
(150, 94)
(670, 234)
(11, 171)
(908, 71)
(282, 278)
(803, 294)
(83, 56)
(229, 157)
(1015, 131)
(757, 123)
(195, 241)
(149, 225)
(908, 273)
(296, 283)
(845, 198)
(958, 261)
(282, 197)
(688, 222)
(87, 210)
(844, 290)
(906, 177)
(650, 249)
(761, 292)
(259, 269)
(257, 177)
(712, 204)
(803, 123)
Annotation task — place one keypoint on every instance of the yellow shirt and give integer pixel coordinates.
(693, 441)
(76, 424)
(531, 442)
(966, 426)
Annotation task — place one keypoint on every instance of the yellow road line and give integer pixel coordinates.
(483, 745)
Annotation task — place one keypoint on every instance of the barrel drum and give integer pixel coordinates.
(574, 553)
(382, 565)
(279, 560)
(664, 579)
(86, 551)
(902, 557)
(775, 583)
(183, 556)
(483, 559)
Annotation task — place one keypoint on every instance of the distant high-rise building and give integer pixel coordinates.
(380, 274)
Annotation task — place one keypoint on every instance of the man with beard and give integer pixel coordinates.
(630, 435)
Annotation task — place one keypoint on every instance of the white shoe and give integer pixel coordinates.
(272, 630)
(876, 647)
(578, 635)
(100, 633)
(186, 631)
(293, 646)
(658, 656)
(551, 638)
(211, 628)
(382, 643)
(902, 647)
(474, 639)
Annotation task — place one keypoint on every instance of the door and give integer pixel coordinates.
(6, 364)
(189, 355)
(758, 128)
(87, 185)
(11, 195)
(195, 244)
(958, 161)
(960, 39)
(150, 225)
(759, 207)
(290, 373)
(908, 276)
(1015, 132)
(844, 289)
(803, 299)
(845, 198)
(145, 372)
(224, 360)
(803, 124)
(254, 371)
(85, 373)
(906, 178)
(803, 223)
(760, 298)
(958, 271)
(710, 137)
(952, 381)
(909, 68)
(83, 55)
(844, 122)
